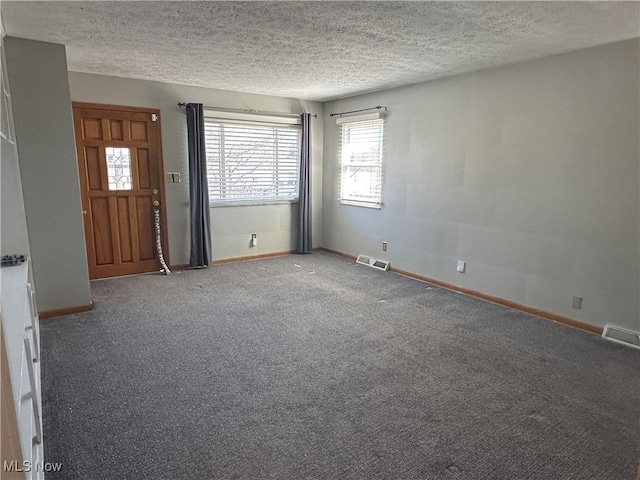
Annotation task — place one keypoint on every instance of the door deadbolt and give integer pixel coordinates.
(154, 191)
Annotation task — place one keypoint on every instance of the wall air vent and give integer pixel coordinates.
(373, 262)
(621, 335)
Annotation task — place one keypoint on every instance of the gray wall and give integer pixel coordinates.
(14, 236)
(528, 172)
(276, 225)
(39, 85)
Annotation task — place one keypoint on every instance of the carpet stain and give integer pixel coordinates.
(536, 415)
(454, 470)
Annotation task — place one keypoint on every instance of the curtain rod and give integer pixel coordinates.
(378, 107)
(251, 111)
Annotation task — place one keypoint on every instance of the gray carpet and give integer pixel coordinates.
(313, 367)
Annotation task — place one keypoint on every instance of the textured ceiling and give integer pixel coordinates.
(313, 50)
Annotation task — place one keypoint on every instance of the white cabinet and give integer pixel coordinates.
(21, 334)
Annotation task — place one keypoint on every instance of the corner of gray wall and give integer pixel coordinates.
(45, 142)
(528, 172)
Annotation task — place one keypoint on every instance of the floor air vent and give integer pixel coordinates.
(373, 262)
(620, 335)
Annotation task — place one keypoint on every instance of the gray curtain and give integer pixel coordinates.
(304, 196)
(198, 188)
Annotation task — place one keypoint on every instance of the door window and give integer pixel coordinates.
(119, 168)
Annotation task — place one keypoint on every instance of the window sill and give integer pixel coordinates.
(355, 203)
(250, 203)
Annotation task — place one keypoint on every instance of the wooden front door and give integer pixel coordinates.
(121, 173)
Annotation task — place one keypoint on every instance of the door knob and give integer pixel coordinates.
(84, 212)
(156, 203)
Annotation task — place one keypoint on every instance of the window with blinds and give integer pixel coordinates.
(251, 161)
(361, 159)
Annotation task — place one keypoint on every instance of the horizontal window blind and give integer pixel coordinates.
(361, 159)
(250, 161)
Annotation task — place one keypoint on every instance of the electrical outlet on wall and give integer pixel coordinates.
(576, 303)
(384, 246)
(461, 266)
(254, 239)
